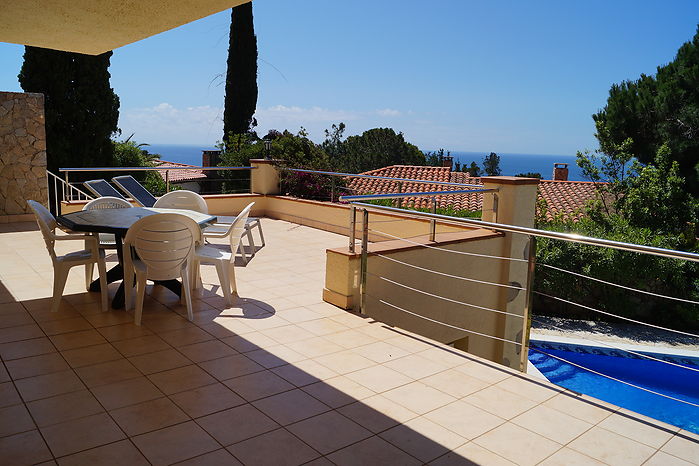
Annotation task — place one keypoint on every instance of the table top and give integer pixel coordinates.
(118, 221)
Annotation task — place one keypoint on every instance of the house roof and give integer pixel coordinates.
(566, 198)
(180, 176)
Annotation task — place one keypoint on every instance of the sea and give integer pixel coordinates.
(510, 164)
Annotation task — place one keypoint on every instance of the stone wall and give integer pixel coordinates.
(22, 152)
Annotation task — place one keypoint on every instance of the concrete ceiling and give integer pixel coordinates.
(97, 26)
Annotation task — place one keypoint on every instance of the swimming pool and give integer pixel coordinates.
(669, 380)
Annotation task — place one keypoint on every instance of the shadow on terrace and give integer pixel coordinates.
(282, 377)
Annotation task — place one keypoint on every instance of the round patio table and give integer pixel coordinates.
(118, 222)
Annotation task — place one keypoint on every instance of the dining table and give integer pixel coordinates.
(118, 222)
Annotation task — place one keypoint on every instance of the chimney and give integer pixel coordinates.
(560, 172)
(447, 161)
(210, 158)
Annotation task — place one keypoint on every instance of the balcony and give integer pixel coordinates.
(282, 377)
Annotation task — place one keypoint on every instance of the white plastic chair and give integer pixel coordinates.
(106, 240)
(190, 200)
(222, 260)
(63, 264)
(159, 247)
(182, 199)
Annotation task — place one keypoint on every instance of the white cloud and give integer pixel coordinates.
(166, 124)
(388, 112)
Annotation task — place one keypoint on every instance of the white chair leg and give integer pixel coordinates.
(259, 228)
(187, 292)
(89, 268)
(140, 296)
(231, 277)
(128, 288)
(104, 290)
(241, 249)
(222, 271)
(60, 275)
(251, 244)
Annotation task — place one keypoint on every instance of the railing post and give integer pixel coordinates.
(531, 266)
(167, 181)
(352, 228)
(399, 201)
(332, 189)
(433, 222)
(363, 270)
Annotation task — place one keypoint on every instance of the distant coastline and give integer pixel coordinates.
(510, 164)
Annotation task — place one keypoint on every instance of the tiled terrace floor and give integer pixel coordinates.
(281, 378)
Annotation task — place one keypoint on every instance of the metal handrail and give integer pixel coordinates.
(373, 177)
(126, 169)
(570, 237)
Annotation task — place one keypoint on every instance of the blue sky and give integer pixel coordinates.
(465, 75)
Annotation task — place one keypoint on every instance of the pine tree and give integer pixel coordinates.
(81, 109)
(241, 77)
(491, 164)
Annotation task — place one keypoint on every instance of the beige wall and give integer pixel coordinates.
(22, 152)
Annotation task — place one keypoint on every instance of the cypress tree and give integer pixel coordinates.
(241, 76)
(82, 110)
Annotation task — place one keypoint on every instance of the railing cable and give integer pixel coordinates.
(615, 315)
(503, 285)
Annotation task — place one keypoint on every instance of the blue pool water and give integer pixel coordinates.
(677, 382)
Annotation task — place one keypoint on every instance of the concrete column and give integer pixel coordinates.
(264, 179)
(513, 204)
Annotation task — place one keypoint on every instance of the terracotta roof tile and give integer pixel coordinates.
(178, 176)
(566, 198)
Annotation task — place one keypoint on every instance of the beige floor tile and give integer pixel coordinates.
(315, 347)
(377, 413)
(186, 336)
(567, 457)
(381, 352)
(91, 355)
(159, 361)
(345, 361)
(23, 332)
(415, 366)
(126, 392)
(215, 458)
(65, 325)
(287, 450)
(123, 332)
(576, 406)
(684, 445)
(15, 419)
(106, 319)
(8, 395)
(81, 434)
(455, 383)
(352, 339)
(288, 334)
(379, 378)
(36, 365)
(80, 339)
(64, 407)
(237, 424)
(206, 400)
(297, 315)
(639, 428)
(107, 372)
(372, 451)
(249, 342)
(663, 459)
(338, 391)
(329, 432)
(206, 351)
(25, 448)
(464, 419)
(140, 345)
(44, 386)
(552, 424)
(148, 416)
(26, 348)
(275, 356)
(181, 379)
(323, 327)
(419, 397)
(230, 366)
(469, 455)
(423, 438)
(258, 385)
(291, 406)
(485, 371)
(517, 444)
(175, 443)
(122, 452)
(502, 403)
(611, 448)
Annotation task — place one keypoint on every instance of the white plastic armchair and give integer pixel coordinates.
(182, 199)
(62, 264)
(222, 260)
(159, 247)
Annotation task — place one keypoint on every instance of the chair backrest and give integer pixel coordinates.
(135, 190)
(183, 199)
(47, 225)
(107, 202)
(237, 228)
(102, 188)
(163, 242)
